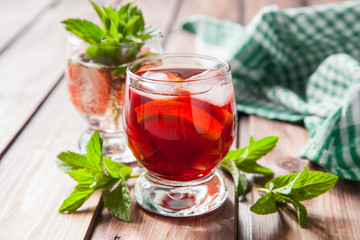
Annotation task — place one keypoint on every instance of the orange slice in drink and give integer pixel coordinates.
(220, 114)
(204, 123)
(223, 116)
(174, 77)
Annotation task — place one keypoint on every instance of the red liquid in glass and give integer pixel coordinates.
(178, 137)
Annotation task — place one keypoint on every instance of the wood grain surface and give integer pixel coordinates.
(38, 121)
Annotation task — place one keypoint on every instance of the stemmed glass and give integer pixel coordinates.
(97, 88)
(179, 117)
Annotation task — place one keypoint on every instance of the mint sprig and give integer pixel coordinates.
(244, 160)
(125, 25)
(293, 188)
(92, 172)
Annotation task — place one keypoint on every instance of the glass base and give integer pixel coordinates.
(114, 145)
(180, 199)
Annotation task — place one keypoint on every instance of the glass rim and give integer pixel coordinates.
(75, 40)
(225, 66)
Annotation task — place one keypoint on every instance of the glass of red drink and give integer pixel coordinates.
(179, 117)
(96, 88)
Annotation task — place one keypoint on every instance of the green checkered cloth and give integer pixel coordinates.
(293, 65)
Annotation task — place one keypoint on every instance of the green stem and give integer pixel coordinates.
(134, 176)
(263, 190)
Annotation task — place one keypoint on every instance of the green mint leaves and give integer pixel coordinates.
(293, 188)
(92, 172)
(87, 31)
(238, 177)
(244, 160)
(118, 202)
(125, 25)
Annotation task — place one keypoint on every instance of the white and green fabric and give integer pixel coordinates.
(293, 65)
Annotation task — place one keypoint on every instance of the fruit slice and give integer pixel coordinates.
(204, 123)
(220, 114)
(89, 88)
(160, 75)
(174, 77)
(140, 146)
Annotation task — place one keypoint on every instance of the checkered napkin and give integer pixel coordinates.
(297, 64)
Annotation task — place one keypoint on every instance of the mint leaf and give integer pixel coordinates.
(109, 54)
(236, 154)
(94, 150)
(303, 186)
(116, 169)
(118, 202)
(261, 147)
(297, 181)
(83, 176)
(80, 194)
(70, 161)
(317, 183)
(103, 181)
(281, 181)
(265, 205)
(85, 30)
(238, 177)
(295, 187)
(250, 166)
(301, 212)
(88, 172)
(118, 26)
(244, 159)
(101, 14)
(300, 209)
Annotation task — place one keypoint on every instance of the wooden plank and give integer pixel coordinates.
(17, 20)
(32, 187)
(159, 14)
(318, 2)
(181, 41)
(33, 64)
(252, 7)
(336, 208)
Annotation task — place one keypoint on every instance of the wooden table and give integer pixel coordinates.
(38, 121)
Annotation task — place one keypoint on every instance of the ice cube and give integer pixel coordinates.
(219, 95)
(217, 91)
(210, 73)
(199, 87)
(159, 87)
(156, 75)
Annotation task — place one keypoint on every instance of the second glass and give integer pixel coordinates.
(97, 87)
